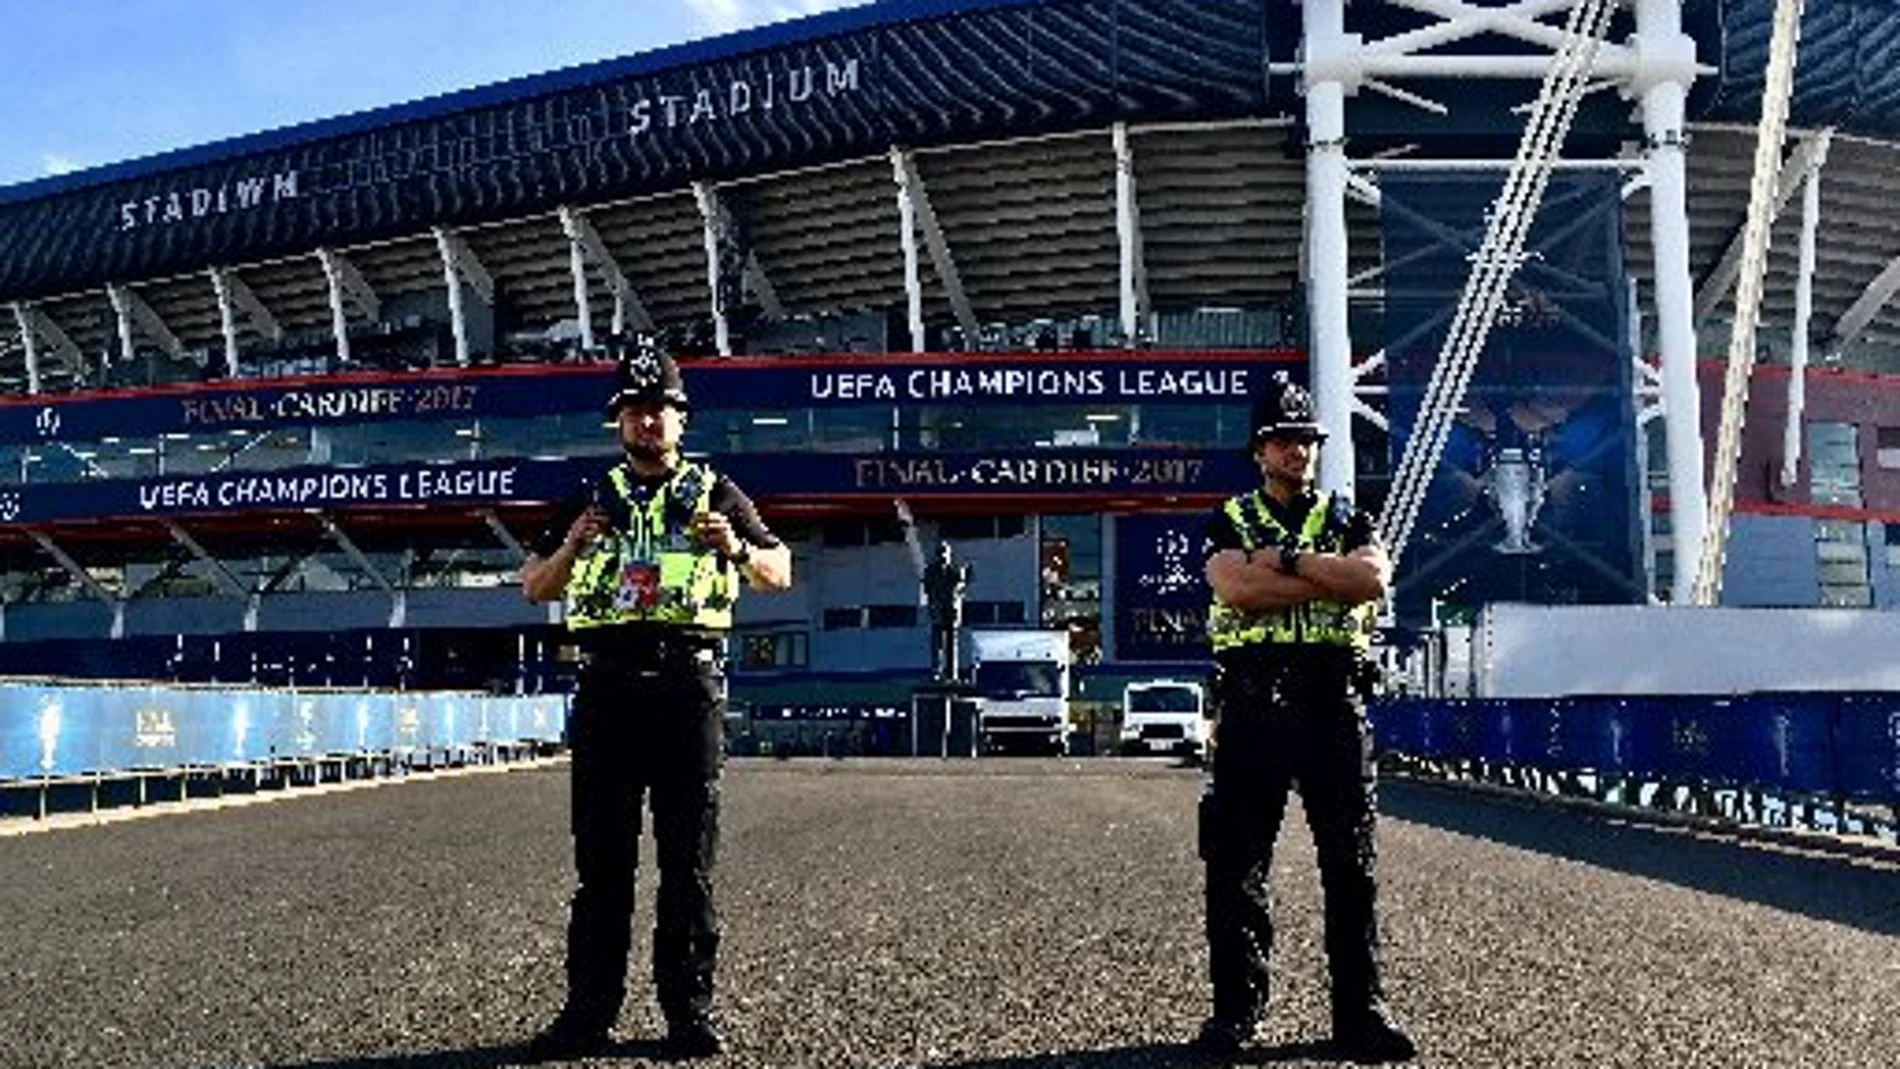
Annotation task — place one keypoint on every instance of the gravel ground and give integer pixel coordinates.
(993, 914)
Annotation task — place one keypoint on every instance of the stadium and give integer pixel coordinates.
(996, 273)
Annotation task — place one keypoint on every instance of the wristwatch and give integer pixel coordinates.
(1290, 560)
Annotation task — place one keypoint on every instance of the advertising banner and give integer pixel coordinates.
(1161, 591)
(741, 384)
(767, 476)
(1535, 498)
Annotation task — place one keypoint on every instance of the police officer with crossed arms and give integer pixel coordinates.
(649, 560)
(1296, 575)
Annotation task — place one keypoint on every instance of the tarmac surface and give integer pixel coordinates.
(994, 914)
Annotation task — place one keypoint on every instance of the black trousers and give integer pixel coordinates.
(1281, 725)
(652, 734)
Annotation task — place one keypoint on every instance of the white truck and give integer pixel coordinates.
(1022, 679)
(1164, 716)
(1541, 651)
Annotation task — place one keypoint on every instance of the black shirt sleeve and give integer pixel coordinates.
(1220, 532)
(548, 543)
(732, 502)
(1360, 532)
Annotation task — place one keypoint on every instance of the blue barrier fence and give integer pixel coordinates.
(1845, 745)
(59, 729)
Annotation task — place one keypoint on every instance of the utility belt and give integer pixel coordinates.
(1298, 667)
(633, 651)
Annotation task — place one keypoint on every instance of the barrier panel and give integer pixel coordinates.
(1842, 745)
(63, 729)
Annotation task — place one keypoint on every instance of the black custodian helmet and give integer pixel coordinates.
(644, 373)
(1283, 408)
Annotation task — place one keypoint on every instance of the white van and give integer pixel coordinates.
(1164, 716)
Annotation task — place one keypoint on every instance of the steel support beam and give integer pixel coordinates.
(1801, 165)
(347, 286)
(41, 326)
(585, 240)
(135, 315)
(1134, 268)
(1791, 441)
(940, 254)
(219, 573)
(29, 346)
(913, 254)
(713, 227)
(234, 297)
(1671, 67)
(350, 550)
(577, 270)
(504, 535)
(1328, 50)
(460, 265)
(1866, 306)
(85, 578)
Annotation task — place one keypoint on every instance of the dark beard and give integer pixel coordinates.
(652, 454)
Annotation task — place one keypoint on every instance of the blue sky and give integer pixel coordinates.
(90, 82)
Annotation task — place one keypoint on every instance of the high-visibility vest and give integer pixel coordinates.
(1321, 622)
(654, 571)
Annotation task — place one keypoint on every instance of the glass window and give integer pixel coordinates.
(993, 613)
(1887, 442)
(1893, 546)
(1834, 464)
(1840, 550)
(846, 618)
(1071, 582)
(776, 649)
(891, 616)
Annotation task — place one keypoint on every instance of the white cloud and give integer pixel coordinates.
(725, 16)
(52, 163)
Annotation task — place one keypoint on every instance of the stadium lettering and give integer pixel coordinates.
(1187, 382)
(200, 202)
(1032, 472)
(852, 386)
(765, 92)
(1170, 626)
(936, 384)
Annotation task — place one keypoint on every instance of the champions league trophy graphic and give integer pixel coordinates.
(1516, 480)
(1515, 485)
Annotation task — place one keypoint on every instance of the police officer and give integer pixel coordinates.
(648, 559)
(1296, 575)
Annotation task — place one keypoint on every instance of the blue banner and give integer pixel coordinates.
(767, 477)
(1161, 591)
(55, 730)
(1535, 498)
(1822, 744)
(747, 384)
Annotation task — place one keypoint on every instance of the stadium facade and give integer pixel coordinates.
(287, 407)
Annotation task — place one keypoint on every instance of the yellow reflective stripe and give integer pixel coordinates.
(1323, 622)
(696, 586)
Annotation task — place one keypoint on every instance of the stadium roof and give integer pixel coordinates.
(1021, 189)
(1848, 76)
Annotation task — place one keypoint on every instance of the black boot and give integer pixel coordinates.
(1370, 1036)
(693, 1037)
(570, 1035)
(1223, 1039)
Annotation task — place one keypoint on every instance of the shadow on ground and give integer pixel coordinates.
(1860, 892)
(1154, 1056)
(512, 1054)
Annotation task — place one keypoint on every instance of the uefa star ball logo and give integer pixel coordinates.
(643, 369)
(47, 422)
(1173, 576)
(9, 507)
